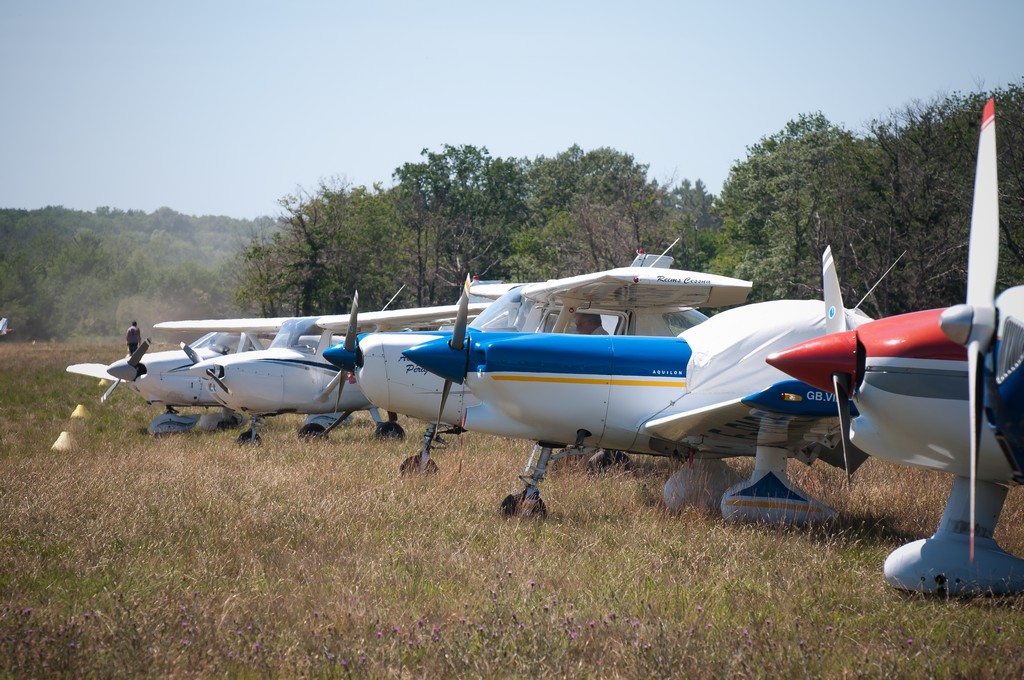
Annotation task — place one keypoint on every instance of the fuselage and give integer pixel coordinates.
(392, 382)
(549, 387)
(278, 380)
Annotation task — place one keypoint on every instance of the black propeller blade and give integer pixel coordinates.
(217, 379)
(190, 353)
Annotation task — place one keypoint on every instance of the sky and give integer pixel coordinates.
(224, 107)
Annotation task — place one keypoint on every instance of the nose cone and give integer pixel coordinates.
(122, 370)
(341, 357)
(440, 359)
(814, 361)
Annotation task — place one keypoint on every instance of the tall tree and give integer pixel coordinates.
(592, 210)
(460, 209)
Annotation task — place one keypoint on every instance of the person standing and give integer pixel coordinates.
(133, 337)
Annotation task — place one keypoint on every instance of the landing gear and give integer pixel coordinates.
(768, 496)
(528, 502)
(319, 425)
(422, 462)
(249, 437)
(414, 464)
(942, 564)
(311, 431)
(524, 504)
(387, 429)
(605, 459)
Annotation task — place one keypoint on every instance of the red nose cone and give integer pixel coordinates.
(814, 361)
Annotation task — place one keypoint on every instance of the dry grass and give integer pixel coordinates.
(189, 555)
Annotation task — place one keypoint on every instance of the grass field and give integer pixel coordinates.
(189, 555)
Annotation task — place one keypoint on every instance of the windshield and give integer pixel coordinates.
(679, 320)
(507, 313)
(301, 334)
(219, 342)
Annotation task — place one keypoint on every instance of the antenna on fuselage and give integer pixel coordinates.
(642, 259)
(384, 308)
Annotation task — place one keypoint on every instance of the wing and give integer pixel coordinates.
(270, 325)
(490, 291)
(790, 414)
(400, 319)
(98, 371)
(643, 287)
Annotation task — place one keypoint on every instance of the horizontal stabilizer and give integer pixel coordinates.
(98, 371)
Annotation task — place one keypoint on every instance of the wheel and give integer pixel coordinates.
(513, 506)
(389, 429)
(603, 459)
(312, 431)
(248, 437)
(411, 465)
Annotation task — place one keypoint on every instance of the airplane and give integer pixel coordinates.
(291, 376)
(700, 397)
(923, 400)
(4, 330)
(646, 298)
(164, 377)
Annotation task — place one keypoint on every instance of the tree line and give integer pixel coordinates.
(70, 274)
(897, 194)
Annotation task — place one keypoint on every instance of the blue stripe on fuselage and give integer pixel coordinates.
(549, 353)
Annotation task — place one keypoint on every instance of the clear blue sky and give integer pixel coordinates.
(223, 107)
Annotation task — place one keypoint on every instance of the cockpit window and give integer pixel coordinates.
(219, 342)
(682, 319)
(507, 313)
(300, 334)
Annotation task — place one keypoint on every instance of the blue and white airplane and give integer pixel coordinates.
(646, 298)
(923, 401)
(702, 396)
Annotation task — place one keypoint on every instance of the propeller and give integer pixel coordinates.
(353, 325)
(974, 324)
(135, 360)
(457, 343)
(110, 390)
(331, 385)
(459, 332)
(341, 378)
(212, 375)
(190, 353)
(842, 383)
(131, 369)
(835, 313)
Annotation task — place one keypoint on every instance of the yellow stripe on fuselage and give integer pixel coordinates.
(621, 382)
(777, 505)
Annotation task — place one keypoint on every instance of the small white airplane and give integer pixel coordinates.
(291, 375)
(646, 298)
(922, 401)
(702, 396)
(164, 377)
